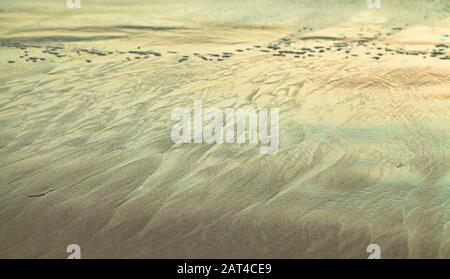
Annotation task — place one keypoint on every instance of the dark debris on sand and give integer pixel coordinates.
(283, 47)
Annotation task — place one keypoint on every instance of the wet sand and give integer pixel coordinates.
(86, 155)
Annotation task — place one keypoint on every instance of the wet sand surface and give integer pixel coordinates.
(86, 156)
